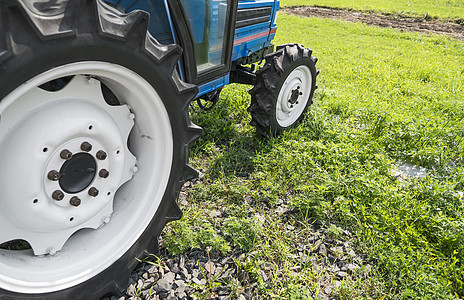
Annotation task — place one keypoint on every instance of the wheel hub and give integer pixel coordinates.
(77, 173)
(293, 96)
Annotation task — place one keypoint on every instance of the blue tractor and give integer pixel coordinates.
(95, 128)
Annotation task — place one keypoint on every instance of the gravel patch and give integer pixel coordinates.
(179, 277)
(218, 276)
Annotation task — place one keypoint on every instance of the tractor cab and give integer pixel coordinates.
(215, 35)
(204, 29)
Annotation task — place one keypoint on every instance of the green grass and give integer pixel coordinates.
(444, 9)
(384, 96)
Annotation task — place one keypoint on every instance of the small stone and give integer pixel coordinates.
(169, 277)
(323, 250)
(180, 286)
(214, 213)
(175, 269)
(155, 276)
(342, 274)
(153, 269)
(223, 291)
(242, 297)
(196, 280)
(131, 290)
(182, 262)
(350, 252)
(146, 285)
(139, 284)
(328, 290)
(184, 272)
(335, 268)
(195, 273)
(352, 267)
(172, 296)
(162, 286)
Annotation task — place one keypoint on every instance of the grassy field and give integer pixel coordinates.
(384, 97)
(444, 9)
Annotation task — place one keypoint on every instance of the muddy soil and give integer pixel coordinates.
(427, 24)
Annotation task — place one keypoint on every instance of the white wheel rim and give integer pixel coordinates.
(290, 106)
(131, 205)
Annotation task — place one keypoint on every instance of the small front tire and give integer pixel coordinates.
(284, 89)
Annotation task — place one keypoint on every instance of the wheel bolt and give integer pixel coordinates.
(75, 201)
(86, 146)
(101, 155)
(93, 192)
(54, 175)
(103, 173)
(58, 195)
(66, 154)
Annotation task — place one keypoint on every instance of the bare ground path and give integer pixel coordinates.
(426, 24)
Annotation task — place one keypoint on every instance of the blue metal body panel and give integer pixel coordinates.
(247, 39)
(213, 85)
(255, 37)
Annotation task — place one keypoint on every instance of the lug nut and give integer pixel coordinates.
(86, 146)
(58, 195)
(66, 154)
(54, 175)
(101, 155)
(93, 192)
(103, 173)
(75, 201)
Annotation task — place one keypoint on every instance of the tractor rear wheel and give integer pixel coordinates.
(284, 89)
(94, 136)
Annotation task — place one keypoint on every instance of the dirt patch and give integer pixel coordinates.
(401, 22)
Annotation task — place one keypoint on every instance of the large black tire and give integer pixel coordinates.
(284, 89)
(86, 42)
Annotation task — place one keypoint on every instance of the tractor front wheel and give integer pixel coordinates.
(284, 89)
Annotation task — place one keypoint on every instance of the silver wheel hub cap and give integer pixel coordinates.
(293, 96)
